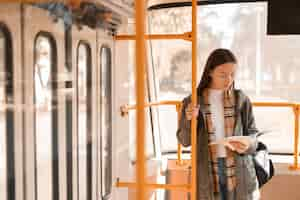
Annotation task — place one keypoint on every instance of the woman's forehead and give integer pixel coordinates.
(226, 67)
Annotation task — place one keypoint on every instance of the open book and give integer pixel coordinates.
(245, 140)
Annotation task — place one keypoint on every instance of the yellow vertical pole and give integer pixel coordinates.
(179, 147)
(296, 141)
(140, 49)
(179, 154)
(194, 100)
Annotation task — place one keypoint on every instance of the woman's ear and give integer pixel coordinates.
(209, 77)
(210, 74)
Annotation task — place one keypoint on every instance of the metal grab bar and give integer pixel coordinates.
(140, 60)
(295, 106)
(124, 109)
(296, 109)
(185, 36)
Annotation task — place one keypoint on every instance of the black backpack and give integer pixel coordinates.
(263, 164)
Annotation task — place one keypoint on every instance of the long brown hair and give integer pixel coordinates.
(216, 58)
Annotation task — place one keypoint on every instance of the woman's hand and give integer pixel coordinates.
(191, 111)
(237, 146)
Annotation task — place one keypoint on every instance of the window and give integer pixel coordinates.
(106, 121)
(84, 87)
(46, 135)
(7, 168)
(240, 27)
(149, 133)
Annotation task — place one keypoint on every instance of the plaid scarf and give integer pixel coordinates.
(229, 122)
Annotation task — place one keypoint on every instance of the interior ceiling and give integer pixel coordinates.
(91, 14)
(158, 4)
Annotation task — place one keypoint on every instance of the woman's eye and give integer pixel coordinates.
(225, 75)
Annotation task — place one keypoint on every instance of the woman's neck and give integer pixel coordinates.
(216, 88)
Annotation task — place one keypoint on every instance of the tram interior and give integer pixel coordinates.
(67, 92)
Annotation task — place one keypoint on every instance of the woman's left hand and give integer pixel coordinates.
(238, 146)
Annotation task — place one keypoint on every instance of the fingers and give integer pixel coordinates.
(230, 146)
(237, 146)
(233, 146)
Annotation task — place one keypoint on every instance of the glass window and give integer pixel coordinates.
(241, 28)
(45, 117)
(173, 72)
(3, 170)
(106, 121)
(84, 120)
(149, 133)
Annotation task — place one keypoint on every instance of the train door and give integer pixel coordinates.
(104, 102)
(11, 148)
(84, 62)
(45, 124)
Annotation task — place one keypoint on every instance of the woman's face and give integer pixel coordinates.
(222, 76)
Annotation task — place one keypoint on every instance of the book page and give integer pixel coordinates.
(246, 140)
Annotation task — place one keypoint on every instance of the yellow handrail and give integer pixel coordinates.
(296, 109)
(194, 102)
(185, 36)
(274, 104)
(124, 109)
(140, 61)
(296, 140)
(140, 70)
(178, 104)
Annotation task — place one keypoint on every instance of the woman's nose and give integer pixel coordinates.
(228, 80)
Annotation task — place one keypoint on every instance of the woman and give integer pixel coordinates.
(225, 172)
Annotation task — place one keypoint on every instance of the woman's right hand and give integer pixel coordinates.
(191, 111)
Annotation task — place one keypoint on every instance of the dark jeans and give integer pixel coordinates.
(222, 178)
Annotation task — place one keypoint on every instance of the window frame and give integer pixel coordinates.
(104, 185)
(54, 114)
(88, 125)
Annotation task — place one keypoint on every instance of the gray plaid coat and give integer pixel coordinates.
(247, 184)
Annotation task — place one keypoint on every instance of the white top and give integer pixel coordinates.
(217, 117)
